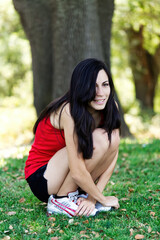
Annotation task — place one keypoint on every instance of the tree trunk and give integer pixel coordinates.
(145, 68)
(61, 34)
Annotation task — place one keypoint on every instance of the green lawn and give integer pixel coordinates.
(135, 182)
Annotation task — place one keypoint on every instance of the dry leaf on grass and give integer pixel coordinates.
(20, 177)
(85, 236)
(71, 221)
(124, 199)
(6, 238)
(11, 213)
(50, 230)
(139, 236)
(131, 190)
(86, 221)
(152, 214)
(149, 229)
(52, 219)
(131, 231)
(5, 169)
(22, 200)
(54, 238)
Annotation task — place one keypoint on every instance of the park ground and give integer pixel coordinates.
(135, 182)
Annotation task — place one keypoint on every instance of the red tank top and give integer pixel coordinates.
(48, 140)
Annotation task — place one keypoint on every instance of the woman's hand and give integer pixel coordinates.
(111, 201)
(85, 207)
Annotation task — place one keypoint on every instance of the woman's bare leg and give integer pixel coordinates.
(57, 173)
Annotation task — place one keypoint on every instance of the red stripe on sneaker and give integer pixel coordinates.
(63, 207)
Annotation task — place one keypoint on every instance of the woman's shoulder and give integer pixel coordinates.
(66, 114)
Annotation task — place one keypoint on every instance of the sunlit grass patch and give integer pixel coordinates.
(16, 126)
(135, 182)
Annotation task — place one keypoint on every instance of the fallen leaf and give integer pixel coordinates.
(86, 221)
(11, 213)
(131, 190)
(124, 199)
(131, 231)
(85, 236)
(149, 229)
(10, 227)
(97, 235)
(123, 209)
(76, 223)
(52, 219)
(152, 214)
(20, 177)
(53, 224)
(139, 236)
(22, 200)
(54, 238)
(112, 183)
(27, 210)
(70, 221)
(6, 238)
(50, 230)
(125, 154)
(82, 232)
(61, 231)
(5, 169)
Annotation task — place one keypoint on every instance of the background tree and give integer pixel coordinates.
(14, 62)
(62, 33)
(140, 21)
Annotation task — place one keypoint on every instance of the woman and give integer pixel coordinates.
(76, 145)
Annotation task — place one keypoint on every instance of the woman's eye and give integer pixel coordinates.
(105, 84)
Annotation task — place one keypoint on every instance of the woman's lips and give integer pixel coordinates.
(99, 101)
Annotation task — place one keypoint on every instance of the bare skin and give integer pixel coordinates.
(67, 170)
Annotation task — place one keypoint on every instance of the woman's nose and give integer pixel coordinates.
(99, 91)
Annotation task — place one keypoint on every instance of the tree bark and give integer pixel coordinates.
(145, 68)
(61, 34)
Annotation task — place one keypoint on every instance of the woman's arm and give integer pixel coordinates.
(103, 179)
(77, 166)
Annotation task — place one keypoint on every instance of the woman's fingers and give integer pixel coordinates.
(85, 208)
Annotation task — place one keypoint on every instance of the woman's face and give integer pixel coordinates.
(102, 91)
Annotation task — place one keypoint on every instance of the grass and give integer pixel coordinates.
(135, 182)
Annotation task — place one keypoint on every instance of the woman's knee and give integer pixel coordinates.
(115, 140)
(100, 141)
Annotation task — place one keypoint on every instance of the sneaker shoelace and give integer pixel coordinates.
(74, 198)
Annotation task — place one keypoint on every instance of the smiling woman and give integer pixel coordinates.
(102, 91)
(76, 145)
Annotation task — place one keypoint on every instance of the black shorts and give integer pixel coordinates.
(38, 184)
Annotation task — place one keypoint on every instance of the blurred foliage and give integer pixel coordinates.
(15, 59)
(17, 114)
(133, 14)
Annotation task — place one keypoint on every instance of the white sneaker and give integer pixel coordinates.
(98, 206)
(101, 208)
(65, 205)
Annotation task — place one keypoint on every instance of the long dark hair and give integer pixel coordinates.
(82, 91)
